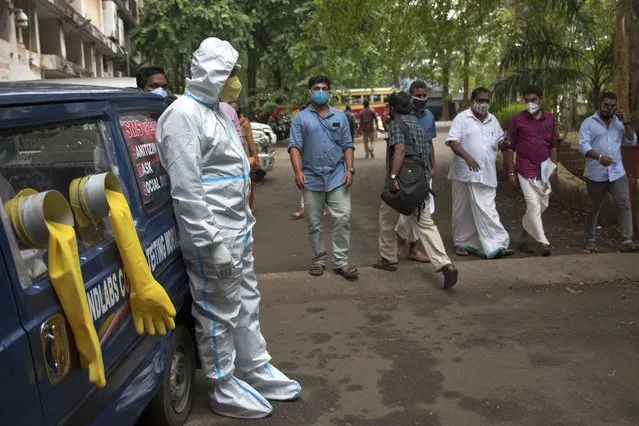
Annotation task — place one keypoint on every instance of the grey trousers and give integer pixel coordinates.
(596, 193)
(338, 202)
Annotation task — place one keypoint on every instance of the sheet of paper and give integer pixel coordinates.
(547, 169)
(431, 201)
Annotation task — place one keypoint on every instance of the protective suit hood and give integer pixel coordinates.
(211, 66)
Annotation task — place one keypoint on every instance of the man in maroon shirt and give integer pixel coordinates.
(368, 124)
(533, 136)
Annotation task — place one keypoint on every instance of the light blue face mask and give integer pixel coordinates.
(160, 91)
(319, 98)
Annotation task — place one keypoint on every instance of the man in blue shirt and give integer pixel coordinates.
(322, 155)
(600, 139)
(406, 229)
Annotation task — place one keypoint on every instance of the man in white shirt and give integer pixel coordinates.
(475, 137)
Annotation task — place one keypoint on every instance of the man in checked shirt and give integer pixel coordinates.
(533, 136)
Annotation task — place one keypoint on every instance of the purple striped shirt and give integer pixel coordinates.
(532, 140)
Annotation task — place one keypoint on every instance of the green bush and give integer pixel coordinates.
(504, 114)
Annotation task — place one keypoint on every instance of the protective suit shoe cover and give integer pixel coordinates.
(151, 307)
(235, 398)
(66, 277)
(273, 384)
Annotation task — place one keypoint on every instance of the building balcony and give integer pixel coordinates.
(76, 22)
(53, 66)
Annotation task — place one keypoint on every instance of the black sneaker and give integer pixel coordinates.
(450, 275)
(545, 250)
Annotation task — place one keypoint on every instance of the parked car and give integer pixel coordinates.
(265, 140)
(50, 135)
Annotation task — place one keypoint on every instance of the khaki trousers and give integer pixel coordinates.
(426, 228)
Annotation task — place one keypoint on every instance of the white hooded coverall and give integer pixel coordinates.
(210, 186)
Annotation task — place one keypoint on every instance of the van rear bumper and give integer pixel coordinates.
(129, 389)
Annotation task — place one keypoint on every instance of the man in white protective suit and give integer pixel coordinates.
(210, 186)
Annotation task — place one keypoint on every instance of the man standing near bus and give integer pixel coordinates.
(368, 125)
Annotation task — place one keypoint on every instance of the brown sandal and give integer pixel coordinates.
(347, 272)
(316, 269)
(298, 214)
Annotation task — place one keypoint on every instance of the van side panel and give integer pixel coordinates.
(19, 397)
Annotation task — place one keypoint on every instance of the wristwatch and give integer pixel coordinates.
(352, 170)
(393, 177)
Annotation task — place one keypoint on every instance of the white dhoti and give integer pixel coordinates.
(476, 224)
(537, 195)
(407, 228)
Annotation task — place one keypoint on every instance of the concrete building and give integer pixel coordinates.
(42, 39)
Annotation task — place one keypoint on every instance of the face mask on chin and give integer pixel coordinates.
(419, 104)
(607, 112)
(532, 108)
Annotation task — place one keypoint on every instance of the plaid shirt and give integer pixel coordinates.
(532, 140)
(417, 135)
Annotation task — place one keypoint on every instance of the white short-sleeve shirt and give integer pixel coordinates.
(481, 141)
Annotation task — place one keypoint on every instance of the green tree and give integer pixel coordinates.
(170, 30)
(561, 45)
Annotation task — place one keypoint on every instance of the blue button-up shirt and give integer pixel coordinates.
(594, 134)
(322, 142)
(427, 121)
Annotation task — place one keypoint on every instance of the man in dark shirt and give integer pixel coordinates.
(368, 124)
(533, 136)
(352, 121)
(400, 109)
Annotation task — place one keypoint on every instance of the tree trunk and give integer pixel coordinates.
(466, 69)
(445, 90)
(277, 75)
(626, 62)
(253, 66)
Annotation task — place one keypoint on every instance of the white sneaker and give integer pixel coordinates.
(273, 384)
(235, 398)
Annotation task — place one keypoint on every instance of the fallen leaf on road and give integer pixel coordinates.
(573, 291)
(613, 373)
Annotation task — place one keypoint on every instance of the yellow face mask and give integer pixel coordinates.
(231, 90)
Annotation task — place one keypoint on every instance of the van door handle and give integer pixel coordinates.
(50, 349)
(55, 348)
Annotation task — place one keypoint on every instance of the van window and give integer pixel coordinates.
(49, 157)
(153, 182)
(377, 99)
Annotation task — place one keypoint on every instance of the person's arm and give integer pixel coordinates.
(433, 135)
(348, 148)
(512, 147)
(453, 140)
(295, 146)
(250, 141)
(181, 157)
(585, 145)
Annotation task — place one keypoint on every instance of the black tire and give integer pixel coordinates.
(162, 410)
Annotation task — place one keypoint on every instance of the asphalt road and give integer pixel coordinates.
(415, 355)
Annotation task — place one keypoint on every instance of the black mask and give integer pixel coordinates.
(419, 104)
(607, 112)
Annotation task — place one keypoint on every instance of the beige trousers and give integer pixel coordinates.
(426, 228)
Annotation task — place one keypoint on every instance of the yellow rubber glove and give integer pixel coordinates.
(151, 307)
(66, 277)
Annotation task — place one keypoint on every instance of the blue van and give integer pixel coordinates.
(50, 135)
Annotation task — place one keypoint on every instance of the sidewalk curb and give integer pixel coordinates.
(474, 276)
